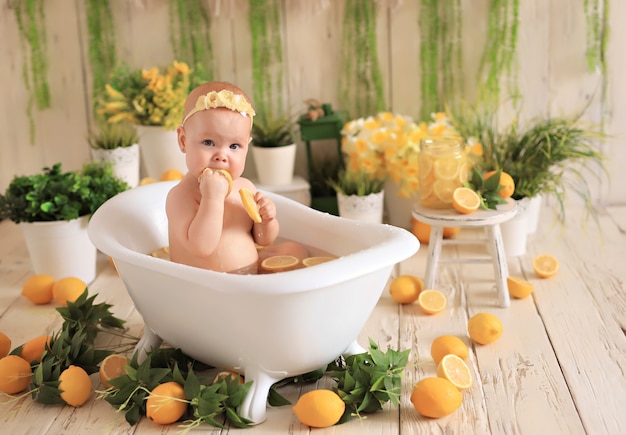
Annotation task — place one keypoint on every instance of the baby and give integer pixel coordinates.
(208, 224)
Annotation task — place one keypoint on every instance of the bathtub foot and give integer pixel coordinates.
(254, 406)
(354, 349)
(148, 341)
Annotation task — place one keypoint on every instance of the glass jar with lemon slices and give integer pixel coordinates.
(443, 166)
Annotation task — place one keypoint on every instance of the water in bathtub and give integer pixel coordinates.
(281, 256)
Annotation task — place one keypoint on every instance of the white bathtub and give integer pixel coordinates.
(267, 327)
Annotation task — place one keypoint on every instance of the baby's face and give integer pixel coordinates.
(216, 138)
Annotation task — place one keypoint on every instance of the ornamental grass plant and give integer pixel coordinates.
(553, 156)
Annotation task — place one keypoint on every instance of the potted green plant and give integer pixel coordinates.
(274, 148)
(152, 99)
(544, 156)
(359, 195)
(53, 209)
(117, 144)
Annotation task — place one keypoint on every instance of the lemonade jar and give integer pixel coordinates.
(443, 166)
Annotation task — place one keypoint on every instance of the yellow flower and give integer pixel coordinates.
(150, 96)
(387, 146)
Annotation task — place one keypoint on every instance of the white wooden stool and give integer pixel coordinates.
(490, 220)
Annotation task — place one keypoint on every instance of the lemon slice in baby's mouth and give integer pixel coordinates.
(249, 204)
(229, 178)
(226, 175)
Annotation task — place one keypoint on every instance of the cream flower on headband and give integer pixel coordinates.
(223, 98)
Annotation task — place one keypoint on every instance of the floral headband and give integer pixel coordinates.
(223, 98)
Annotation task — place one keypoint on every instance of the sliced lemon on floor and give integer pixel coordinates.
(431, 301)
(280, 263)
(455, 370)
(465, 200)
(545, 265)
(519, 288)
(250, 205)
(313, 261)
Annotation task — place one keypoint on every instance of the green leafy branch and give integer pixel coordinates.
(73, 344)
(487, 189)
(368, 380)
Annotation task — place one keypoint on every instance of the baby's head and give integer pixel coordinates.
(214, 95)
(215, 131)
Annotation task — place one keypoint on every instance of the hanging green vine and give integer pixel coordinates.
(429, 56)
(30, 19)
(267, 57)
(190, 34)
(441, 57)
(500, 50)
(102, 53)
(360, 82)
(596, 14)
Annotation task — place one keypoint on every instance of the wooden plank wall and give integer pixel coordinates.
(553, 76)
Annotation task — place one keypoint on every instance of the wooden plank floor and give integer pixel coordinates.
(559, 367)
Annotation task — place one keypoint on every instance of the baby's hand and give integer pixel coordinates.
(215, 183)
(267, 208)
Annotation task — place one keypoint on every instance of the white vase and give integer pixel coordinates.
(398, 208)
(274, 165)
(534, 211)
(61, 248)
(515, 231)
(125, 162)
(368, 208)
(159, 151)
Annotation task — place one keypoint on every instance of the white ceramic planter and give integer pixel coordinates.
(61, 248)
(274, 165)
(367, 208)
(515, 231)
(534, 211)
(159, 151)
(398, 207)
(125, 162)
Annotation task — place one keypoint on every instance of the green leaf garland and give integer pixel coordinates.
(360, 83)
(267, 57)
(190, 35)
(101, 42)
(31, 24)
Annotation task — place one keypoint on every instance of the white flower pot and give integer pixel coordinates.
(534, 211)
(398, 207)
(274, 165)
(159, 151)
(515, 231)
(61, 248)
(367, 208)
(125, 162)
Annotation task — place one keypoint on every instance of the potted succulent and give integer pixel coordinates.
(152, 99)
(53, 209)
(359, 195)
(117, 144)
(274, 148)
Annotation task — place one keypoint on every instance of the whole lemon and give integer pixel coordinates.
(436, 397)
(75, 386)
(38, 289)
(484, 328)
(166, 403)
(319, 408)
(15, 374)
(68, 289)
(448, 344)
(405, 289)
